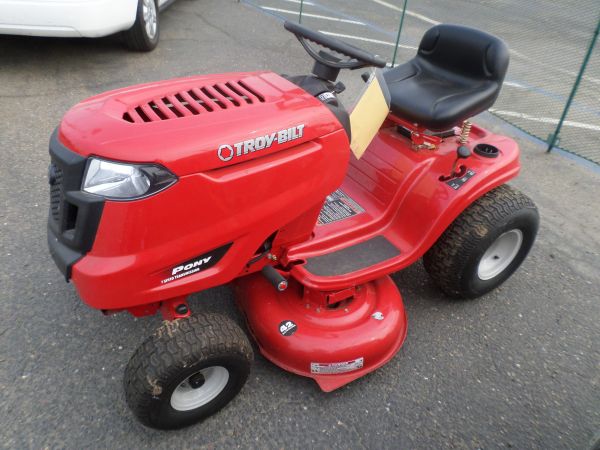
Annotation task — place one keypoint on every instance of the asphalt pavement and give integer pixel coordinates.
(518, 368)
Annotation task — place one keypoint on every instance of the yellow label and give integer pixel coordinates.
(367, 116)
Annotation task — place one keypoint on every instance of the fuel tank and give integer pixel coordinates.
(253, 154)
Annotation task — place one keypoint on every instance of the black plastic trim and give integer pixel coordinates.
(63, 256)
(315, 86)
(72, 233)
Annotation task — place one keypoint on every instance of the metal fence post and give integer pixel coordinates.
(300, 15)
(553, 138)
(399, 31)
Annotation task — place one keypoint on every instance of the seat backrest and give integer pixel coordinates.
(465, 52)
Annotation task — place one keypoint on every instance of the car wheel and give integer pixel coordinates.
(144, 34)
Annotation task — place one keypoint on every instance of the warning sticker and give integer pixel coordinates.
(339, 367)
(338, 206)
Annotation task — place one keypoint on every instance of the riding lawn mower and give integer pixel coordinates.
(268, 182)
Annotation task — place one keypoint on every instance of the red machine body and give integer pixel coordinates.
(346, 312)
(214, 202)
(390, 179)
(348, 341)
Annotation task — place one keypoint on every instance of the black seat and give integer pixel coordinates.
(457, 73)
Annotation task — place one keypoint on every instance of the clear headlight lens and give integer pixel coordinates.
(125, 181)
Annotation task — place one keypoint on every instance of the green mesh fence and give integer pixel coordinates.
(578, 130)
(549, 41)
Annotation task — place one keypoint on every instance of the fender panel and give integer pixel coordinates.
(404, 200)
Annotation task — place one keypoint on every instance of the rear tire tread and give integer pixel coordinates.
(444, 261)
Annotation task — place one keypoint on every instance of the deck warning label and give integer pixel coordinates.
(338, 206)
(339, 367)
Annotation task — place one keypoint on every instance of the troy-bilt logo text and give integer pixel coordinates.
(226, 152)
(187, 269)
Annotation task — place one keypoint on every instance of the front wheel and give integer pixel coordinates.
(187, 370)
(143, 35)
(485, 244)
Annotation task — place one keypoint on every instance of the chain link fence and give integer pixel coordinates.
(552, 89)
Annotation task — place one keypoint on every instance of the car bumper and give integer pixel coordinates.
(66, 18)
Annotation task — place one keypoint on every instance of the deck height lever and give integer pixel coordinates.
(275, 278)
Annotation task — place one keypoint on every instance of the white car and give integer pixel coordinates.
(137, 19)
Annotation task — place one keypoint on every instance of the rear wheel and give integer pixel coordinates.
(143, 35)
(484, 246)
(187, 370)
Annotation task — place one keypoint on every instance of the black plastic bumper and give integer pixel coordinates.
(74, 215)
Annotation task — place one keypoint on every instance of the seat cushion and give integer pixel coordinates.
(434, 102)
(457, 73)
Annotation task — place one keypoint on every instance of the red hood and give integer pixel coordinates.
(181, 123)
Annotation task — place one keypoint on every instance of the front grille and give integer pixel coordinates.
(73, 216)
(56, 182)
(194, 101)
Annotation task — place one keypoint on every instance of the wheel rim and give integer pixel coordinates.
(199, 388)
(500, 254)
(150, 17)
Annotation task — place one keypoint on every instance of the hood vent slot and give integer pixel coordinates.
(195, 101)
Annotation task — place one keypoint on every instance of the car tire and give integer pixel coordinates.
(484, 246)
(187, 371)
(143, 36)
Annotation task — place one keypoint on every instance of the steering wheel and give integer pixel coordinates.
(358, 58)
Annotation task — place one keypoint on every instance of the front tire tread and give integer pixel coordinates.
(173, 347)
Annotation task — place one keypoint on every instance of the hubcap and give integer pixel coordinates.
(500, 254)
(150, 17)
(199, 388)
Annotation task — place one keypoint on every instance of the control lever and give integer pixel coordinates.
(275, 278)
(462, 152)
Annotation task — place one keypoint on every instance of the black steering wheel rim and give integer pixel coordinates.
(360, 57)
